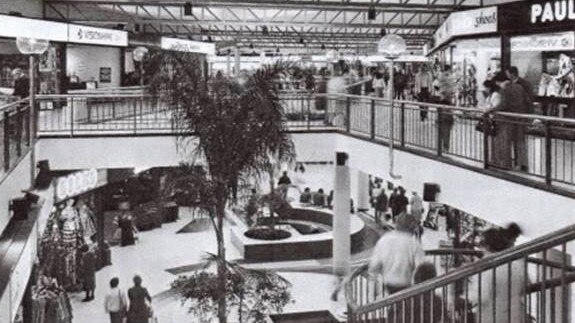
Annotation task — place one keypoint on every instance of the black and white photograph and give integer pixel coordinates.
(287, 161)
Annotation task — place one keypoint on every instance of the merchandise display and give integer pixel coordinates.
(50, 302)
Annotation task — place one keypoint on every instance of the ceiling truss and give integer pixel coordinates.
(310, 25)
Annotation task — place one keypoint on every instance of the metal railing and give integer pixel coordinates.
(72, 115)
(538, 148)
(532, 282)
(14, 133)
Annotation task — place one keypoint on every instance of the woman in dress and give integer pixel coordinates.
(140, 300)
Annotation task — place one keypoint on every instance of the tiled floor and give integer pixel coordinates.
(163, 248)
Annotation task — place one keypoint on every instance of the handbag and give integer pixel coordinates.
(487, 126)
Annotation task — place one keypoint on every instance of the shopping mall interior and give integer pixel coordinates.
(287, 161)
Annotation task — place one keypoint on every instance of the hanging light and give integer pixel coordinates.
(188, 9)
(332, 56)
(139, 53)
(277, 49)
(251, 46)
(301, 41)
(31, 45)
(391, 46)
(382, 32)
(210, 39)
(137, 28)
(371, 13)
(322, 46)
(265, 30)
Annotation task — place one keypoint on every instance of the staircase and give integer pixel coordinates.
(532, 282)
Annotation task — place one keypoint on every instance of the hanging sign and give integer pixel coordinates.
(190, 46)
(12, 27)
(78, 183)
(469, 22)
(97, 36)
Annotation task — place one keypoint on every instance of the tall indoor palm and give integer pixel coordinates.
(231, 127)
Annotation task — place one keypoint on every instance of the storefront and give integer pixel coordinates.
(15, 65)
(535, 36)
(539, 38)
(94, 57)
(467, 45)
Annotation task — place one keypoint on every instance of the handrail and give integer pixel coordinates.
(13, 104)
(454, 108)
(86, 96)
(492, 261)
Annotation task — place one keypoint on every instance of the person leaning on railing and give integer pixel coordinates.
(510, 135)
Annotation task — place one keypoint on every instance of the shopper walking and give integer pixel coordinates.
(21, 84)
(115, 302)
(380, 206)
(88, 272)
(445, 118)
(379, 84)
(399, 203)
(140, 302)
(422, 86)
(125, 223)
(396, 255)
(284, 182)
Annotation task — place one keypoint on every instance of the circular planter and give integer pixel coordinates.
(263, 233)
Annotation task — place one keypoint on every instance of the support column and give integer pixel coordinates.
(341, 217)
(362, 197)
(229, 64)
(237, 62)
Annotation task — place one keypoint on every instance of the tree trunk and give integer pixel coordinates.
(221, 263)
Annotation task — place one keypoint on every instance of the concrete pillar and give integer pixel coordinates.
(341, 217)
(362, 196)
(237, 62)
(229, 64)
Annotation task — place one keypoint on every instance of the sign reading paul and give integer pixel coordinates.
(537, 15)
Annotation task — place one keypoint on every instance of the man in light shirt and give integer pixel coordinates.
(115, 302)
(397, 255)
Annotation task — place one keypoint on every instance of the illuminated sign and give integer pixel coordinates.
(97, 36)
(552, 11)
(190, 46)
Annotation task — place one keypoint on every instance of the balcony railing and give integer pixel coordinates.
(14, 133)
(532, 282)
(531, 148)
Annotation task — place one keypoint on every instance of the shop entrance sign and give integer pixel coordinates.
(469, 22)
(551, 11)
(78, 183)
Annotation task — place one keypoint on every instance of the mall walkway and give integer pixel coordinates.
(163, 250)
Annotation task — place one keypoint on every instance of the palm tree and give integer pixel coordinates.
(232, 128)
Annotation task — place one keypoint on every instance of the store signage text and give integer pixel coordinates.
(547, 42)
(489, 19)
(97, 36)
(76, 184)
(553, 11)
(190, 46)
(470, 22)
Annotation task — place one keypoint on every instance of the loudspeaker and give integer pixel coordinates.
(371, 13)
(44, 177)
(430, 191)
(341, 159)
(20, 208)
